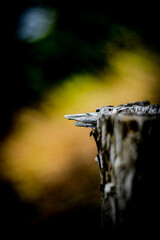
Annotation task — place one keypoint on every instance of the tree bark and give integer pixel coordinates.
(127, 139)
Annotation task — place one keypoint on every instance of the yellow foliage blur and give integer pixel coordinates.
(49, 161)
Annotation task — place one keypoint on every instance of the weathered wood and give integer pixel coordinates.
(84, 119)
(127, 138)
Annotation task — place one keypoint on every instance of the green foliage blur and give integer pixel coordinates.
(74, 43)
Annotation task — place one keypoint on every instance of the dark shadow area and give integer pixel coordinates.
(22, 217)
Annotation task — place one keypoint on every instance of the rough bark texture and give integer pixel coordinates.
(127, 139)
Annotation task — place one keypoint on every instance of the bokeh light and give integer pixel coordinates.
(35, 23)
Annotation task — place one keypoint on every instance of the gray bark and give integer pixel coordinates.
(127, 139)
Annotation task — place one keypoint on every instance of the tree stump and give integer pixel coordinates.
(127, 138)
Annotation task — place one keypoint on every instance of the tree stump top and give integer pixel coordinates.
(136, 109)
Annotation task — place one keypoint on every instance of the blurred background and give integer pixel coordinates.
(63, 58)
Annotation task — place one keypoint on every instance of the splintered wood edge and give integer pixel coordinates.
(137, 110)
